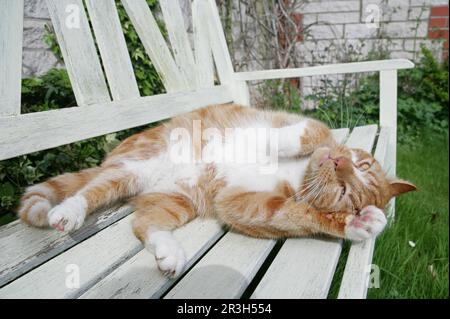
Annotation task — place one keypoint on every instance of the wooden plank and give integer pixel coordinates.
(23, 247)
(155, 45)
(363, 137)
(226, 270)
(222, 56)
(113, 49)
(204, 68)
(93, 258)
(355, 280)
(304, 268)
(78, 49)
(388, 112)
(181, 47)
(32, 132)
(341, 68)
(340, 135)
(139, 277)
(11, 32)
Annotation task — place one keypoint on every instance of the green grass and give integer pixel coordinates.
(421, 218)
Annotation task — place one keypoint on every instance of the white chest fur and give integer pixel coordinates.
(253, 179)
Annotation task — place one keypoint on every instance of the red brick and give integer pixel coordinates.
(445, 46)
(298, 19)
(438, 23)
(295, 83)
(445, 55)
(441, 11)
(438, 34)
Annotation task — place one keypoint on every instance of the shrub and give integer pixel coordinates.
(52, 91)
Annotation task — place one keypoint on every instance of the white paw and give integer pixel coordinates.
(169, 255)
(69, 215)
(368, 224)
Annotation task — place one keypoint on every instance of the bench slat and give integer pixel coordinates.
(33, 132)
(78, 49)
(340, 135)
(357, 269)
(226, 270)
(304, 268)
(327, 69)
(11, 33)
(95, 257)
(113, 49)
(179, 41)
(139, 277)
(155, 45)
(204, 66)
(23, 247)
(363, 137)
(221, 54)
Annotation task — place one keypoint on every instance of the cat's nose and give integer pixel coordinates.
(340, 162)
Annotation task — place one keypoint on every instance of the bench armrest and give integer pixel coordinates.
(355, 67)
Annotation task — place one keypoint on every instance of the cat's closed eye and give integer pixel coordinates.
(364, 165)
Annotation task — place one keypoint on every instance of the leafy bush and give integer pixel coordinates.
(52, 91)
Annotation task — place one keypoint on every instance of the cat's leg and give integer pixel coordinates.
(156, 215)
(368, 223)
(110, 185)
(277, 214)
(303, 138)
(39, 199)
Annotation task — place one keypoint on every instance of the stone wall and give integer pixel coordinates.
(37, 58)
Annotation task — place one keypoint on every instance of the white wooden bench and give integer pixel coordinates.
(37, 263)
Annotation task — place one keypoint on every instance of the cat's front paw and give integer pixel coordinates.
(368, 224)
(69, 215)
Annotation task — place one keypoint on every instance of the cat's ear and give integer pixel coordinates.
(398, 187)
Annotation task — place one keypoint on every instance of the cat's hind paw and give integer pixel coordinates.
(170, 260)
(368, 224)
(169, 255)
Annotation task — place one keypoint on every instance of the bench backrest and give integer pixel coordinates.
(104, 85)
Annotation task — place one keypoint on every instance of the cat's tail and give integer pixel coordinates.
(39, 199)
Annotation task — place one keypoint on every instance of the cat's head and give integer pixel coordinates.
(343, 179)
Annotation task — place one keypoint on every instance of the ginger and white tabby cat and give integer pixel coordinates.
(318, 186)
